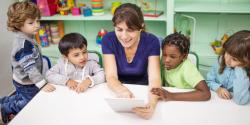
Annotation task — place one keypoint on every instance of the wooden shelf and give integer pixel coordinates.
(79, 17)
(53, 53)
(210, 7)
(53, 50)
(107, 16)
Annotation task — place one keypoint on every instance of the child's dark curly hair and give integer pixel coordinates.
(179, 40)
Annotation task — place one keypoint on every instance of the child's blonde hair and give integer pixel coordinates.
(238, 46)
(19, 12)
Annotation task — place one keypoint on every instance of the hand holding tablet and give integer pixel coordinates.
(124, 104)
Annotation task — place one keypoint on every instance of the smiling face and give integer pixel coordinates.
(30, 26)
(78, 57)
(127, 37)
(172, 57)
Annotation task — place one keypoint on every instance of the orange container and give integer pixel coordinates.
(38, 39)
(97, 5)
(60, 28)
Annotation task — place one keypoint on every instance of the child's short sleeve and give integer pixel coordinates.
(191, 74)
(185, 76)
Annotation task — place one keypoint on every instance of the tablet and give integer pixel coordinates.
(124, 104)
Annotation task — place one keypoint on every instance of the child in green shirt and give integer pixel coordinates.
(180, 72)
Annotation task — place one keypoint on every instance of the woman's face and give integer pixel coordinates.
(127, 37)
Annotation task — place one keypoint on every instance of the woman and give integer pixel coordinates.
(131, 56)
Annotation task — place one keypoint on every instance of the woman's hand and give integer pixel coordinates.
(145, 112)
(124, 92)
(223, 93)
(49, 88)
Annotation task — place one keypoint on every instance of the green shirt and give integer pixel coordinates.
(186, 76)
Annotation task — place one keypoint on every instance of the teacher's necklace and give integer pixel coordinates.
(130, 52)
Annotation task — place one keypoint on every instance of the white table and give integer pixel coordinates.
(66, 107)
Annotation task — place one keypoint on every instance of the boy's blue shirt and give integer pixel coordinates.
(235, 80)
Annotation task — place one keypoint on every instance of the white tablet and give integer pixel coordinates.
(124, 104)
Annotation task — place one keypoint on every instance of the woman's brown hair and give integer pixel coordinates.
(131, 14)
(238, 46)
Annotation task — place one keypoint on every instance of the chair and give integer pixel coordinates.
(96, 56)
(193, 57)
(46, 64)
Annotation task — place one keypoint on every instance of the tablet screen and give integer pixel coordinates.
(124, 104)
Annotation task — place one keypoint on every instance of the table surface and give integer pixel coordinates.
(66, 107)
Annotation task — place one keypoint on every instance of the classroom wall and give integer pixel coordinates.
(6, 39)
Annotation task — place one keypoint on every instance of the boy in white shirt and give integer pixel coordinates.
(75, 69)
